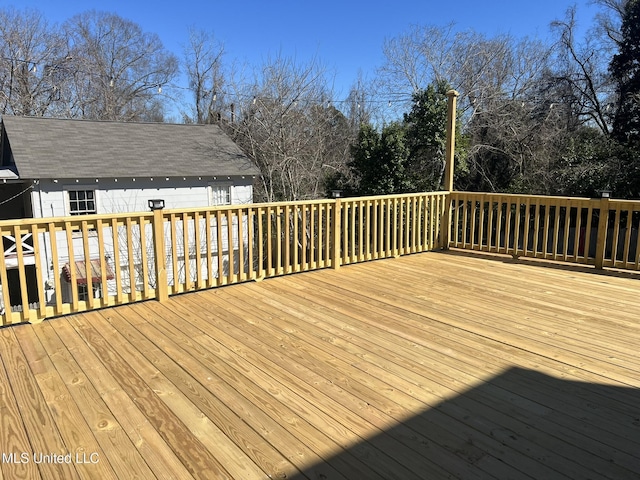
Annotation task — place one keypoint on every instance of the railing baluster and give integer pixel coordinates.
(251, 273)
(208, 238)
(198, 255)
(87, 265)
(104, 289)
(72, 268)
(269, 242)
(186, 251)
(546, 226)
(220, 245)
(133, 293)
(296, 238)
(578, 234)
(242, 274)
(637, 258)
(557, 209)
(144, 249)
(278, 218)
(53, 242)
(327, 235)
(317, 240)
(616, 236)
(231, 230)
(506, 225)
(485, 215)
(516, 232)
(260, 242)
(312, 233)
(499, 225)
(458, 226)
(41, 310)
(173, 226)
(286, 268)
(5, 309)
(304, 258)
(587, 243)
(627, 238)
(567, 229)
(603, 221)
(375, 231)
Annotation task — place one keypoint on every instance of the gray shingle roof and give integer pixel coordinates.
(61, 148)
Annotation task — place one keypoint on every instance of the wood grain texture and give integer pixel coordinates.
(435, 365)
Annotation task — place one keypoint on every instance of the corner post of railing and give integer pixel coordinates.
(603, 222)
(452, 98)
(162, 287)
(337, 233)
(449, 166)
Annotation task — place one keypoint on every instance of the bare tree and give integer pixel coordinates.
(117, 68)
(504, 112)
(287, 124)
(423, 56)
(581, 73)
(203, 65)
(609, 20)
(33, 58)
(485, 70)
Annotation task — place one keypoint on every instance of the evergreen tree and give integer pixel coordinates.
(426, 136)
(379, 160)
(406, 156)
(625, 69)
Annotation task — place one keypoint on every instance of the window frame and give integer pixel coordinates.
(220, 185)
(69, 211)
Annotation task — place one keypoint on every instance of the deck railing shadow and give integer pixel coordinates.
(518, 424)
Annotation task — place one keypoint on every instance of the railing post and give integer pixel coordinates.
(162, 288)
(449, 166)
(337, 232)
(450, 147)
(603, 226)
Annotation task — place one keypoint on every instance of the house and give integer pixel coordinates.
(61, 167)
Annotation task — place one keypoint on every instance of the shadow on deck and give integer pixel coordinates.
(519, 424)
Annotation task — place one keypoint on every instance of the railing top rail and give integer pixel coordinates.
(550, 198)
(121, 216)
(236, 206)
(74, 219)
(522, 195)
(614, 202)
(399, 195)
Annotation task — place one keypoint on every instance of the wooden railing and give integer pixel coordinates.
(389, 226)
(94, 261)
(74, 264)
(600, 232)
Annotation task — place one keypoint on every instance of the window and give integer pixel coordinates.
(220, 195)
(82, 202)
(83, 292)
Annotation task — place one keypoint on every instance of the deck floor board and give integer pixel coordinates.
(437, 365)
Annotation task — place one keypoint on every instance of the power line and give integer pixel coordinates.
(16, 195)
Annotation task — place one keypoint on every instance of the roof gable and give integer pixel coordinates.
(61, 148)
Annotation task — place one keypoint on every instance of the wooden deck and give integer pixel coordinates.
(429, 366)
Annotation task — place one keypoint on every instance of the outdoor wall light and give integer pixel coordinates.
(156, 204)
(336, 193)
(605, 193)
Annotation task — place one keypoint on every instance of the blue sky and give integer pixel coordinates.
(346, 36)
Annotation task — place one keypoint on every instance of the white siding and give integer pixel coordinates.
(50, 199)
